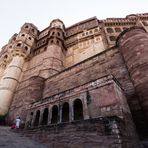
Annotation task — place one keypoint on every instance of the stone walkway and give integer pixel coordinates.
(9, 139)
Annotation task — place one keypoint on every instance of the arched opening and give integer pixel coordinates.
(19, 44)
(54, 118)
(26, 48)
(37, 117)
(45, 117)
(29, 123)
(59, 34)
(78, 109)
(65, 112)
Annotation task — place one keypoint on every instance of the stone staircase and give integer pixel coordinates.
(13, 139)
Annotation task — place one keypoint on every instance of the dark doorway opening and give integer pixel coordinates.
(78, 109)
(54, 118)
(65, 112)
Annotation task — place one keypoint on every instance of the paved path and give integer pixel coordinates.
(9, 139)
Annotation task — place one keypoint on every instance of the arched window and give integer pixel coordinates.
(78, 109)
(19, 44)
(37, 117)
(59, 34)
(26, 48)
(23, 35)
(45, 117)
(53, 33)
(65, 112)
(54, 118)
(29, 38)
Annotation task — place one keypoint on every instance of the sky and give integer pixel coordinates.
(14, 13)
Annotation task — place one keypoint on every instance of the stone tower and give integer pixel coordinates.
(56, 46)
(18, 50)
(133, 44)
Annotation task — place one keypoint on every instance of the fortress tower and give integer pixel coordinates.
(133, 44)
(18, 51)
(88, 79)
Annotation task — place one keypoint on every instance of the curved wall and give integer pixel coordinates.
(133, 44)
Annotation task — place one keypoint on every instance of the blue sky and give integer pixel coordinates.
(14, 13)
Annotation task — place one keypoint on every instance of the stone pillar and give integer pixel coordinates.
(9, 82)
(85, 108)
(71, 111)
(60, 113)
(133, 45)
(41, 117)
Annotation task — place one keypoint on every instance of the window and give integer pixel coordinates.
(96, 30)
(109, 30)
(23, 35)
(37, 117)
(65, 112)
(54, 118)
(112, 38)
(26, 48)
(32, 30)
(19, 44)
(45, 117)
(118, 29)
(29, 38)
(53, 33)
(26, 27)
(90, 32)
(78, 109)
(59, 34)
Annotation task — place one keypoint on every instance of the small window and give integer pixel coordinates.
(118, 29)
(19, 44)
(53, 33)
(58, 42)
(96, 30)
(26, 26)
(112, 38)
(23, 35)
(83, 34)
(29, 38)
(109, 30)
(59, 34)
(26, 48)
(86, 33)
(51, 41)
(6, 56)
(32, 30)
(90, 32)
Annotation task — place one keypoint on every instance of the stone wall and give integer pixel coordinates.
(100, 132)
(107, 62)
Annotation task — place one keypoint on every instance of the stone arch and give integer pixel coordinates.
(45, 116)
(37, 118)
(55, 111)
(29, 121)
(78, 109)
(65, 112)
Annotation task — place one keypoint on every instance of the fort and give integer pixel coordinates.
(79, 86)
